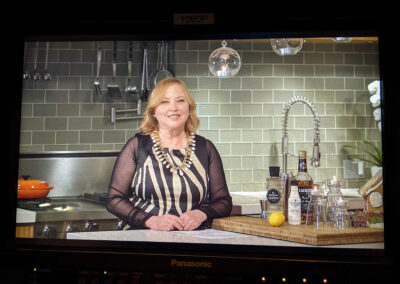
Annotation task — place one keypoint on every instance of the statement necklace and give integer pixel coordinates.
(166, 159)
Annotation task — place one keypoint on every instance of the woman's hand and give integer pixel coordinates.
(164, 223)
(192, 219)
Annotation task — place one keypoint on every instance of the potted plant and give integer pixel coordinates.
(374, 156)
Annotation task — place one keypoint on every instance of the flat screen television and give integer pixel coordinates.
(332, 74)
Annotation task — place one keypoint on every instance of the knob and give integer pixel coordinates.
(49, 232)
(91, 226)
(120, 225)
(72, 229)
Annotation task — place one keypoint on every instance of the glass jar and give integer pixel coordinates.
(314, 206)
(332, 196)
(342, 220)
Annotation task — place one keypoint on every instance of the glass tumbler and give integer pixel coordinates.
(334, 194)
(342, 217)
(319, 214)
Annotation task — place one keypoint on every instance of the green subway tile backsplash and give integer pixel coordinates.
(241, 115)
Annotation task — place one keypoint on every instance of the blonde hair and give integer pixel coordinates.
(150, 123)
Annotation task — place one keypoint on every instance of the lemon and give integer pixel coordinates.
(276, 219)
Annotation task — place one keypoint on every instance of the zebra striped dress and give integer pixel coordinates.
(141, 186)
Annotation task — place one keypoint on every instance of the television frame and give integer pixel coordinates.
(64, 255)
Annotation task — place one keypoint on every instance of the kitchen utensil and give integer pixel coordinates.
(158, 68)
(33, 193)
(26, 75)
(31, 188)
(163, 73)
(46, 75)
(36, 75)
(263, 204)
(97, 87)
(113, 88)
(129, 89)
(145, 77)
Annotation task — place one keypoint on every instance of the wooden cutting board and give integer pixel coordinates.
(301, 234)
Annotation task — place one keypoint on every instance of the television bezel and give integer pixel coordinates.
(141, 254)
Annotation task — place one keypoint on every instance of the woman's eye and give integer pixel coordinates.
(181, 100)
(164, 102)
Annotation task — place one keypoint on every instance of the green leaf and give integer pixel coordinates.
(377, 156)
(377, 150)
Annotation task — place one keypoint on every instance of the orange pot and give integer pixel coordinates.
(32, 188)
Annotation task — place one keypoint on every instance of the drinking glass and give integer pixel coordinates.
(319, 214)
(342, 218)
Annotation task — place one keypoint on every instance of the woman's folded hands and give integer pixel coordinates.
(188, 221)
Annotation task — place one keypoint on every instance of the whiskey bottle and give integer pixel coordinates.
(275, 192)
(304, 183)
(294, 212)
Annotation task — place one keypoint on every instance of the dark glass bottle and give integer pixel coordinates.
(304, 183)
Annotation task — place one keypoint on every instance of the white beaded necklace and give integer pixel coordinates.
(166, 159)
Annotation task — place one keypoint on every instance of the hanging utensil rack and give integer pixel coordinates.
(114, 113)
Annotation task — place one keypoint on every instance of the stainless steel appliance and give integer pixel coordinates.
(57, 216)
(78, 201)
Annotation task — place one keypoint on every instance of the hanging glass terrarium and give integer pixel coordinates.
(224, 62)
(286, 46)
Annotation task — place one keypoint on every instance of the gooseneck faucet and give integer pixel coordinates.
(315, 161)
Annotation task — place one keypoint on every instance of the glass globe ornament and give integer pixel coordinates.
(286, 46)
(224, 62)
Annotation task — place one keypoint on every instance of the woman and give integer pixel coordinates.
(167, 177)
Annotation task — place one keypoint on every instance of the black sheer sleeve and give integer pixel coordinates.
(220, 201)
(119, 192)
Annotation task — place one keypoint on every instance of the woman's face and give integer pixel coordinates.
(173, 111)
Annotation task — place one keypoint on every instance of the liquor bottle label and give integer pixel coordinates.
(302, 165)
(295, 204)
(304, 193)
(273, 196)
(294, 213)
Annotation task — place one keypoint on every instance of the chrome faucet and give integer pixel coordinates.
(315, 161)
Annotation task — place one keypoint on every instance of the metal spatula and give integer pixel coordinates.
(113, 88)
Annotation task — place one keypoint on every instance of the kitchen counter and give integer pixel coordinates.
(79, 210)
(25, 216)
(209, 236)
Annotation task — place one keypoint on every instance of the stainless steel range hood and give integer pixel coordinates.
(71, 173)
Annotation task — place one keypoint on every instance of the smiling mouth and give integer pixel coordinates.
(174, 116)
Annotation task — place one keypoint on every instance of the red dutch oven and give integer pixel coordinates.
(32, 188)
